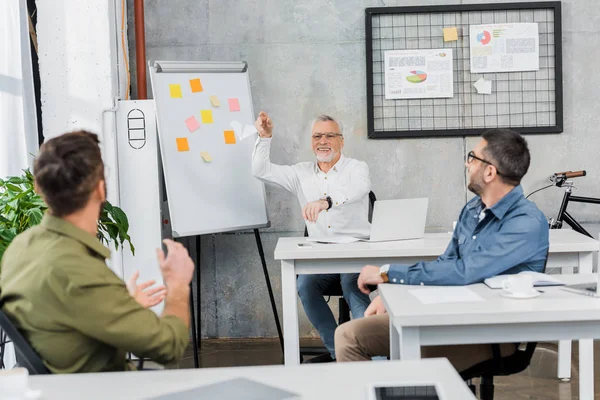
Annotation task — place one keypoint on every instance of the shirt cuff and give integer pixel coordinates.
(398, 274)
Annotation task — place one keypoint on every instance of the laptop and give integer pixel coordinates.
(398, 220)
(403, 391)
(589, 289)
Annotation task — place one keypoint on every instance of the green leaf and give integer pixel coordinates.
(35, 216)
(16, 180)
(13, 188)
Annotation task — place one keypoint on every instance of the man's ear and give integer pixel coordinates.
(490, 173)
(100, 191)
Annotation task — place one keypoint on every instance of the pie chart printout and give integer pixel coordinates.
(417, 77)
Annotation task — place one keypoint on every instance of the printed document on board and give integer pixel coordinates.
(418, 74)
(504, 47)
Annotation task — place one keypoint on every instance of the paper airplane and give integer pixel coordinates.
(483, 86)
(242, 133)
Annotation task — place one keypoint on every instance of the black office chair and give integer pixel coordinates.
(499, 366)
(335, 289)
(26, 356)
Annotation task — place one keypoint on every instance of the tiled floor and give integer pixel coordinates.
(538, 382)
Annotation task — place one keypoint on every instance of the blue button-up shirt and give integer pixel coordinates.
(510, 237)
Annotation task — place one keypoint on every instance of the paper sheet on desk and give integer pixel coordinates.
(333, 239)
(443, 294)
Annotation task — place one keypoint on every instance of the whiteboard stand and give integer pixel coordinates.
(184, 91)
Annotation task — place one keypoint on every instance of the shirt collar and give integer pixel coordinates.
(65, 228)
(501, 208)
(337, 167)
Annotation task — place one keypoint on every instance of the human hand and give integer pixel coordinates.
(177, 268)
(376, 307)
(369, 276)
(264, 125)
(146, 295)
(311, 211)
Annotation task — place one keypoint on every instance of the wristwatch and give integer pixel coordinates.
(383, 272)
(329, 202)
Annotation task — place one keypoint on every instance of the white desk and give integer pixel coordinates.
(332, 381)
(568, 250)
(555, 315)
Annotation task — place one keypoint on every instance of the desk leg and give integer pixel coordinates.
(410, 343)
(586, 369)
(289, 297)
(586, 264)
(394, 342)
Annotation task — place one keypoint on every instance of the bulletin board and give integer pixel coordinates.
(205, 127)
(529, 102)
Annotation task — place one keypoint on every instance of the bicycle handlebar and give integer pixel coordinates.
(560, 177)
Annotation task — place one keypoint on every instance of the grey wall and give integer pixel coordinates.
(308, 57)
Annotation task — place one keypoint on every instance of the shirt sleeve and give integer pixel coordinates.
(357, 188)
(515, 243)
(99, 305)
(262, 168)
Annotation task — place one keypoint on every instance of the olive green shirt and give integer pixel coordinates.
(74, 311)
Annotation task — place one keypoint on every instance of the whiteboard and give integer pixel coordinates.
(220, 195)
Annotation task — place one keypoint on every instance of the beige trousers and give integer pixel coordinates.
(364, 338)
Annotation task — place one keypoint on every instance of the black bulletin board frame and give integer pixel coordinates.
(372, 12)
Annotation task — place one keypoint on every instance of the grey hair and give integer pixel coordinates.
(325, 118)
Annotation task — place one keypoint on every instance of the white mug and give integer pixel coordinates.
(13, 383)
(518, 284)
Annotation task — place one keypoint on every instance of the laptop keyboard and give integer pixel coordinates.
(407, 393)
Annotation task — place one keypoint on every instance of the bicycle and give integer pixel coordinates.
(561, 180)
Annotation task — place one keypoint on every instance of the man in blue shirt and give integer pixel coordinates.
(498, 232)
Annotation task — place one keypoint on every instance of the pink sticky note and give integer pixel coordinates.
(192, 123)
(234, 105)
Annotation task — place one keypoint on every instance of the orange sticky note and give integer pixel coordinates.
(182, 144)
(234, 105)
(175, 90)
(450, 34)
(215, 101)
(196, 85)
(229, 137)
(206, 116)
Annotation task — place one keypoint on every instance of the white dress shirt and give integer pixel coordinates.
(348, 184)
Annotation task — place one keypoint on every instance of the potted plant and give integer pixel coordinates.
(21, 208)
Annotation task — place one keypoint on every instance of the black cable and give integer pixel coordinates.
(535, 191)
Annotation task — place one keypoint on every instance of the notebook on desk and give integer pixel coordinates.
(539, 279)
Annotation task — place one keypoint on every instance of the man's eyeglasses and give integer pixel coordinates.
(328, 136)
(471, 156)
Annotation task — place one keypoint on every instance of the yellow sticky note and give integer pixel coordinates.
(196, 85)
(205, 156)
(182, 144)
(229, 137)
(450, 34)
(206, 116)
(215, 101)
(175, 90)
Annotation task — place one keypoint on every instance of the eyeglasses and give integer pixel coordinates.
(328, 136)
(471, 156)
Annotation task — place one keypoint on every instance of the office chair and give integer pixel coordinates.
(335, 289)
(499, 366)
(26, 356)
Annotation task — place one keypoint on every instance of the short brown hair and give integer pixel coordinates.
(509, 150)
(67, 170)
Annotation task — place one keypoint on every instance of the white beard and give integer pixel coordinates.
(327, 159)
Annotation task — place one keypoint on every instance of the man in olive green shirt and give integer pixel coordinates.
(55, 286)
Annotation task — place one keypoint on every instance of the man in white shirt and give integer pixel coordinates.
(334, 195)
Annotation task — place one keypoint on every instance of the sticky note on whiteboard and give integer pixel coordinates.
(196, 85)
(175, 90)
(234, 105)
(206, 116)
(182, 144)
(192, 123)
(229, 137)
(214, 100)
(205, 156)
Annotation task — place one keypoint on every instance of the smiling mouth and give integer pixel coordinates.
(323, 149)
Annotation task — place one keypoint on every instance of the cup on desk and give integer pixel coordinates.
(13, 383)
(518, 284)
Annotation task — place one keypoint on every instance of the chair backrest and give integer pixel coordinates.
(372, 200)
(26, 356)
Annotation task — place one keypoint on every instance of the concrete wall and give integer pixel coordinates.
(306, 58)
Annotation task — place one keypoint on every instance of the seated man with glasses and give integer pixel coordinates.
(334, 195)
(498, 232)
